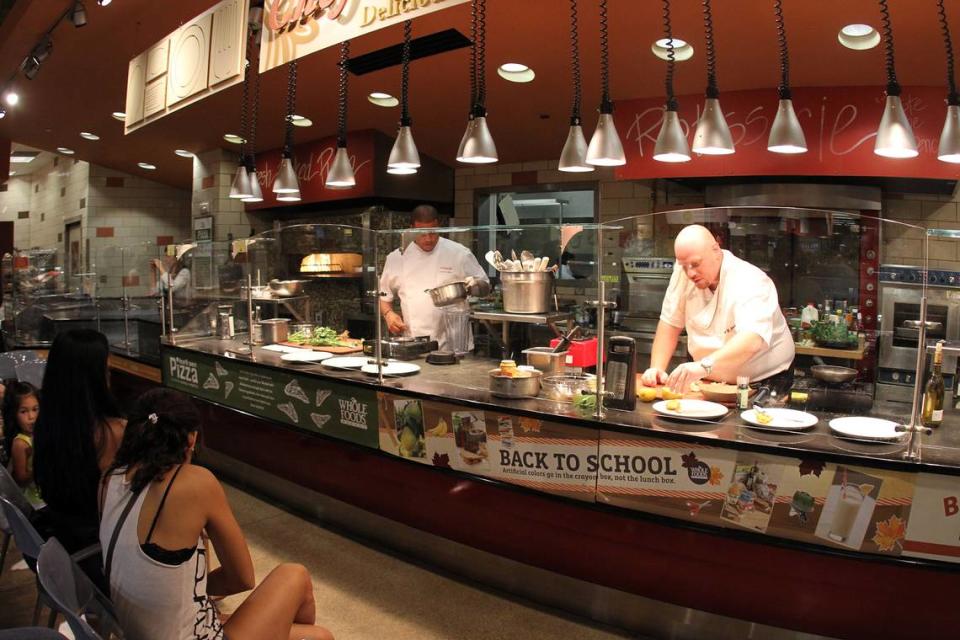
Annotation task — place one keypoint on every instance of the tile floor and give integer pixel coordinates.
(361, 592)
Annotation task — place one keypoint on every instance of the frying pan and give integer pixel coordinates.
(832, 374)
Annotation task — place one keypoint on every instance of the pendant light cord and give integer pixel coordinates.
(482, 56)
(473, 55)
(252, 138)
(575, 64)
(244, 101)
(784, 89)
(405, 74)
(606, 105)
(291, 105)
(672, 103)
(344, 82)
(712, 90)
(893, 87)
(953, 99)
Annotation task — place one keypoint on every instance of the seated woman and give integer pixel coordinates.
(157, 510)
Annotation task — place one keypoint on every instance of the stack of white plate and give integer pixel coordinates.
(863, 428)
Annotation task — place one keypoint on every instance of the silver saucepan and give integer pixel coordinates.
(833, 374)
(448, 294)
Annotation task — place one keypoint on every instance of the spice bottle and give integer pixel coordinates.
(743, 392)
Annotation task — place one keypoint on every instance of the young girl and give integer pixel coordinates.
(155, 508)
(21, 405)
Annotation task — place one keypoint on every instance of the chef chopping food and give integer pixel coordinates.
(732, 316)
(427, 262)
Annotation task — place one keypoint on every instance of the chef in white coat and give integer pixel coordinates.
(732, 316)
(429, 261)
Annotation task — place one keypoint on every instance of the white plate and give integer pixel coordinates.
(861, 428)
(346, 362)
(280, 348)
(392, 368)
(304, 355)
(783, 419)
(692, 409)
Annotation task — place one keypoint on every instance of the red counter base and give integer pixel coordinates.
(791, 588)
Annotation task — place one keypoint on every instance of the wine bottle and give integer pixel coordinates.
(933, 392)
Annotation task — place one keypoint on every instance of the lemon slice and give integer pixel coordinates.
(865, 489)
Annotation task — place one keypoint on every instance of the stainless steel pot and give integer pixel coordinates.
(509, 387)
(448, 294)
(275, 330)
(527, 291)
(833, 374)
(287, 288)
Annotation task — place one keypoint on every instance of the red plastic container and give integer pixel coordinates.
(582, 353)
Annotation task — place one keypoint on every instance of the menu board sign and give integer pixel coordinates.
(934, 528)
(307, 402)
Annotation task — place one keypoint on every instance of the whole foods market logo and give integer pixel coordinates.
(184, 370)
(353, 413)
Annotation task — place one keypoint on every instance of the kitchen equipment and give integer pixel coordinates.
(721, 392)
(643, 284)
(260, 293)
(847, 397)
(305, 356)
(442, 357)
(566, 387)
(225, 327)
(287, 288)
(331, 264)
(346, 362)
(392, 368)
(523, 386)
(581, 354)
(305, 328)
(275, 330)
(865, 428)
(546, 359)
(833, 374)
(689, 409)
(781, 419)
(527, 292)
(620, 374)
(564, 342)
(448, 294)
(456, 329)
(401, 348)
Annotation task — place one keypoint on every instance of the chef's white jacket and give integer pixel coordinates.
(411, 273)
(745, 301)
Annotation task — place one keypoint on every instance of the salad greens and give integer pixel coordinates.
(832, 333)
(321, 337)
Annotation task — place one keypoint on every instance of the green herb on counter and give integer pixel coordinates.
(586, 403)
(832, 333)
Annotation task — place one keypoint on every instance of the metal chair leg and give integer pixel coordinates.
(52, 619)
(36, 610)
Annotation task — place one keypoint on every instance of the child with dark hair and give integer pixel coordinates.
(21, 405)
(156, 511)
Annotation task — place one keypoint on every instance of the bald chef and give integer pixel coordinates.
(428, 262)
(732, 316)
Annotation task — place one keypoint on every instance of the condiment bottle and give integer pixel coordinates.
(743, 392)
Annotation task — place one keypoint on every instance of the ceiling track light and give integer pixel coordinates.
(78, 14)
(340, 175)
(712, 136)
(404, 158)
(103, 3)
(477, 145)
(240, 188)
(671, 145)
(605, 148)
(573, 158)
(949, 149)
(895, 137)
(786, 134)
(286, 185)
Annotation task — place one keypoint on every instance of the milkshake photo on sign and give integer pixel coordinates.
(470, 433)
(849, 508)
(408, 422)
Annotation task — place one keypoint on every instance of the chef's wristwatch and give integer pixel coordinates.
(707, 364)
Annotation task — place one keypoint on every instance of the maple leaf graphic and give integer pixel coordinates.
(441, 460)
(715, 475)
(689, 460)
(814, 467)
(889, 533)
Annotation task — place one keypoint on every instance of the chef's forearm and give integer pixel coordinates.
(664, 344)
(730, 358)
(385, 307)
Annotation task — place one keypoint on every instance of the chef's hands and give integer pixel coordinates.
(395, 324)
(478, 287)
(653, 377)
(685, 375)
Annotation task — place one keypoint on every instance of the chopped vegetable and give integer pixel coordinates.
(586, 403)
(322, 337)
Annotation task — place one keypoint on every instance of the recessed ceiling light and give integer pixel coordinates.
(146, 165)
(234, 138)
(382, 99)
(183, 153)
(65, 151)
(682, 50)
(89, 136)
(119, 115)
(11, 98)
(301, 121)
(516, 72)
(858, 37)
(13, 173)
(23, 157)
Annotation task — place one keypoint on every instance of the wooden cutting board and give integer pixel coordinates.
(356, 346)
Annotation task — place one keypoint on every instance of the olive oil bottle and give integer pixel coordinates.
(933, 392)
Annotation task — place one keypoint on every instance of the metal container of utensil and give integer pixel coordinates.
(275, 330)
(527, 291)
(546, 360)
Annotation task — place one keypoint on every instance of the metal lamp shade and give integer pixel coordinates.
(256, 194)
(240, 187)
(605, 149)
(290, 196)
(286, 181)
(895, 135)
(341, 175)
(573, 158)
(404, 157)
(786, 134)
(712, 136)
(671, 142)
(477, 146)
(950, 137)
